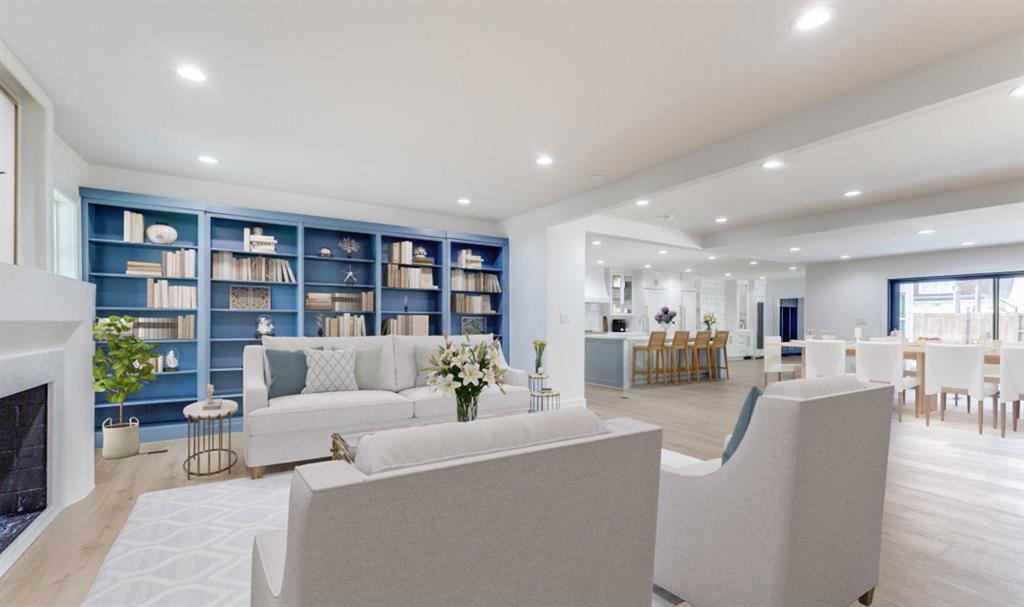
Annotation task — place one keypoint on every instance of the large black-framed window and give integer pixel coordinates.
(961, 308)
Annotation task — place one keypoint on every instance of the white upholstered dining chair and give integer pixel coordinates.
(881, 362)
(958, 369)
(773, 359)
(1011, 382)
(824, 357)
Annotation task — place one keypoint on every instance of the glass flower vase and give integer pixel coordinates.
(466, 405)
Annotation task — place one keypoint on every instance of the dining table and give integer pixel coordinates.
(911, 351)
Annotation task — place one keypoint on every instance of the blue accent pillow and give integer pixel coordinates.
(746, 413)
(287, 372)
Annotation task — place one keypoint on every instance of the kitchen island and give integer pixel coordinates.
(608, 359)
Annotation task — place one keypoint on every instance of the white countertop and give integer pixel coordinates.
(618, 336)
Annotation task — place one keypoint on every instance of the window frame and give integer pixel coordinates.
(895, 284)
(59, 196)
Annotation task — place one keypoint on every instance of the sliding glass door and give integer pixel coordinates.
(959, 309)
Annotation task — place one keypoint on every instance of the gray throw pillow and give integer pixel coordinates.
(287, 372)
(330, 371)
(423, 355)
(742, 423)
(367, 368)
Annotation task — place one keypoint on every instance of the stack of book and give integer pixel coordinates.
(158, 363)
(401, 252)
(254, 242)
(172, 264)
(345, 325)
(471, 304)
(165, 327)
(144, 268)
(467, 259)
(475, 281)
(340, 302)
(403, 277)
(161, 294)
(225, 266)
(134, 227)
(410, 324)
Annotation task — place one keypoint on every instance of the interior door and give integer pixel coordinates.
(654, 300)
(689, 311)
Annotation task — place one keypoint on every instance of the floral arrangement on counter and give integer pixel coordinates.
(464, 370)
(710, 320)
(665, 317)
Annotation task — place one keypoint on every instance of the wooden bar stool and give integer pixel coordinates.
(700, 344)
(719, 344)
(655, 350)
(678, 356)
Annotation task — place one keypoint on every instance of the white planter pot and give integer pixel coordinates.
(120, 440)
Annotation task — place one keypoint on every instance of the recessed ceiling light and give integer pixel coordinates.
(794, 249)
(792, 267)
(721, 219)
(844, 257)
(689, 270)
(728, 274)
(968, 243)
(772, 164)
(191, 72)
(1017, 92)
(753, 263)
(596, 243)
(600, 261)
(813, 18)
(647, 266)
(464, 201)
(663, 252)
(643, 202)
(544, 160)
(208, 160)
(711, 258)
(760, 277)
(852, 193)
(926, 232)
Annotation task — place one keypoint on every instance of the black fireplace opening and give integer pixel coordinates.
(22, 461)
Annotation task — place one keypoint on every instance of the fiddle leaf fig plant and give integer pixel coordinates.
(122, 363)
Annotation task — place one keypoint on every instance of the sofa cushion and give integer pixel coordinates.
(368, 368)
(423, 356)
(331, 411)
(742, 422)
(330, 371)
(405, 354)
(386, 370)
(408, 447)
(804, 389)
(430, 403)
(286, 372)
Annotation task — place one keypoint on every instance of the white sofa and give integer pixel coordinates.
(298, 427)
(795, 516)
(553, 508)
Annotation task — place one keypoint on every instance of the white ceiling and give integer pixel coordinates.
(416, 105)
(969, 141)
(984, 226)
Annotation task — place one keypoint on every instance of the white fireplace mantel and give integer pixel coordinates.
(46, 338)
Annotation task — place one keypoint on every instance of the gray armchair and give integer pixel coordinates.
(795, 516)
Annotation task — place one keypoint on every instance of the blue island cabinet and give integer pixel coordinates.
(299, 270)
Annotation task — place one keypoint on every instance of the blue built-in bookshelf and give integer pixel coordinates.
(221, 330)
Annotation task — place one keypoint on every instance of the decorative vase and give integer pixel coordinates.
(325, 252)
(466, 407)
(171, 360)
(120, 440)
(161, 233)
(264, 326)
(708, 326)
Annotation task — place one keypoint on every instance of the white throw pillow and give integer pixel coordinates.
(330, 371)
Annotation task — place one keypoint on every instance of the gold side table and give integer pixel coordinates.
(207, 454)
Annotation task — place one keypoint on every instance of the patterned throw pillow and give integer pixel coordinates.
(330, 371)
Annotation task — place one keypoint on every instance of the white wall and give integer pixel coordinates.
(70, 172)
(273, 200)
(840, 295)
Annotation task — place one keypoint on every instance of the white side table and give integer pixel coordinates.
(207, 454)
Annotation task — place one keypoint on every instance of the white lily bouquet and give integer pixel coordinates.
(465, 370)
(710, 320)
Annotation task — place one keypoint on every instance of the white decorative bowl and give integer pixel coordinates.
(161, 233)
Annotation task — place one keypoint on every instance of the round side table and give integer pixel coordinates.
(207, 454)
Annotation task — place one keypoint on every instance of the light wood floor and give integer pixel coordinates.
(954, 513)
(953, 532)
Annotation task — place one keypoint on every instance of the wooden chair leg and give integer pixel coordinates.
(1016, 414)
(927, 411)
(256, 472)
(981, 417)
(995, 410)
(725, 354)
(899, 409)
(942, 407)
(1002, 420)
(968, 402)
(867, 597)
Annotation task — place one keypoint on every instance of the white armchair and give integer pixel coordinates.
(795, 516)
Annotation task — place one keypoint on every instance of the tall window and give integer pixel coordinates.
(65, 235)
(8, 167)
(960, 309)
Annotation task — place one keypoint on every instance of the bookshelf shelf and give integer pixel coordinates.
(222, 332)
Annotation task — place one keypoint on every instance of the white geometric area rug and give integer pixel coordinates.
(193, 546)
